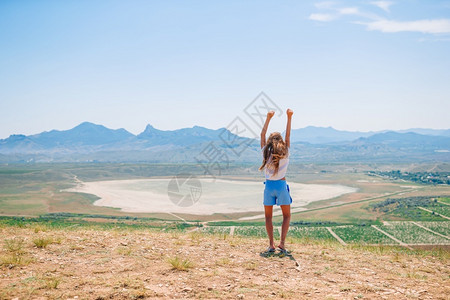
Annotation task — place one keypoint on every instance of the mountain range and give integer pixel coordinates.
(92, 142)
(328, 135)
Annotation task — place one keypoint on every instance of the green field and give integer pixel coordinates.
(256, 231)
(443, 210)
(422, 208)
(216, 230)
(439, 227)
(362, 235)
(411, 234)
(406, 232)
(316, 233)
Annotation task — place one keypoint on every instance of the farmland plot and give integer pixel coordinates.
(415, 213)
(216, 230)
(443, 210)
(412, 234)
(258, 231)
(439, 227)
(310, 232)
(362, 235)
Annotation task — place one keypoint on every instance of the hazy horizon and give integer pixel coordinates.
(352, 65)
(138, 132)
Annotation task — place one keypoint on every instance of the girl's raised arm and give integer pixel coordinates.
(264, 129)
(287, 137)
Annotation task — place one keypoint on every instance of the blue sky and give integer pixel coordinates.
(353, 65)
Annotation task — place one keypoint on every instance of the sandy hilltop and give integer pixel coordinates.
(144, 264)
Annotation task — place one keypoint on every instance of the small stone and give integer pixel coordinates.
(240, 296)
(187, 290)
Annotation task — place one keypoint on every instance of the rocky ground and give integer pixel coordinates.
(39, 263)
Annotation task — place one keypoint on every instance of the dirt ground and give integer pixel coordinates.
(142, 264)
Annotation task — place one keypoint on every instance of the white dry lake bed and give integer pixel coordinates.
(200, 196)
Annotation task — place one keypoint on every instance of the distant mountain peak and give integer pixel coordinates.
(324, 135)
(17, 136)
(88, 125)
(150, 132)
(182, 136)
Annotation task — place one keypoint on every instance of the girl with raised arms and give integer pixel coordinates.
(275, 152)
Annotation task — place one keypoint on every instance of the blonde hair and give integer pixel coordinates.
(274, 150)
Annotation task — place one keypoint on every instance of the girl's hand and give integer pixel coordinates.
(289, 112)
(270, 114)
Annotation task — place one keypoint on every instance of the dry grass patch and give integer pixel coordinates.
(251, 265)
(14, 245)
(127, 251)
(15, 259)
(42, 242)
(38, 228)
(223, 261)
(235, 241)
(196, 238)
(180, 264)
(51, 281)
(16, 254)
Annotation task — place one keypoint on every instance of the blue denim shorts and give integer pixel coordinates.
(277, 192)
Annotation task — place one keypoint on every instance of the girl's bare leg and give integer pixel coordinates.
(286, 209)
(268, 210)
